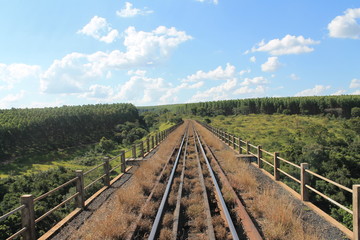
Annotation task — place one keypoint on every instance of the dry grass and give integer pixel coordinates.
(165, 234)
(113, 219)
(273, 212)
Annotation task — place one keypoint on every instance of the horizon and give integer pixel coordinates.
(175, 52)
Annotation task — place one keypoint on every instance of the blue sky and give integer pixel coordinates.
(55, 53)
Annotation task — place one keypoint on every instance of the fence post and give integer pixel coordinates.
(356, 212)
(240, 149)
(304, 180)
(276, 166)
(153, 141)
(134, 151)
(122, 162)
(259, 156)
(148, 144)
(247, 147)
(28, 217)
(142, 149)
(106, 172)
(80, 199)
(233, 140)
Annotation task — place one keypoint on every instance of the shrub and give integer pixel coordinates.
(355, 112)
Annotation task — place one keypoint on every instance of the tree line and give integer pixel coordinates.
(43, 129)
(343, 106)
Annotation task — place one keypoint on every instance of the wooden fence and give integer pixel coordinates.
(28, 201)
(274, 161)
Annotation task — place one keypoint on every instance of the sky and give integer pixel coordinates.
(55, 53)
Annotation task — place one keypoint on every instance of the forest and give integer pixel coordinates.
(76, 137)
(323, 131)
(38, 130)
(342, 106)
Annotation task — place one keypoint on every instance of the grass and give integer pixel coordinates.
(129, 200)
(273, 132)
(278, 221)
(69, 158)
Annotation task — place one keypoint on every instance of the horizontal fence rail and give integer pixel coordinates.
(303, 169)
(27, 210)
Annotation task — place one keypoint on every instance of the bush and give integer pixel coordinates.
(207, 120)
(106, 145)
(355, 112)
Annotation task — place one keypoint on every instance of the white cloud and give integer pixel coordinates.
(99, 29)
(223, 91)
(217, 74)
(271, 65)
(242, 72)
(345, 26)
(255, 81)
(98, 92)
(357, 92)
(288, 45)
(74, 72)
(247, 90)
(55, 103)
(355, 83)
(293, 76)
(211, 1)
(318, 89)
(141, 90)
(15, 73)
(11, 99)
(340, 92)
(129, 11)
(253, 59)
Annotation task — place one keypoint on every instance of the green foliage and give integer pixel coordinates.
(105, 145)
(330, 145)
(129, 132)
(36, 184)
(26, 131)
(355, 112)
(331, 105)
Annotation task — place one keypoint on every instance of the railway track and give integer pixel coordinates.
(192, 205)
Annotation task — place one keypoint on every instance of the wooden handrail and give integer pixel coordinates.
(329, 181)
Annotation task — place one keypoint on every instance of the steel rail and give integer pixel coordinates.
(249, 227)
(210, 227)
(176, 220)
(218, 192)
(133, 226)
(160, 211)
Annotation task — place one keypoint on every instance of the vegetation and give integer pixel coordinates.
(278, 221)
(344, 106)
(24, 131)
(66, 139)
(330, 145)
